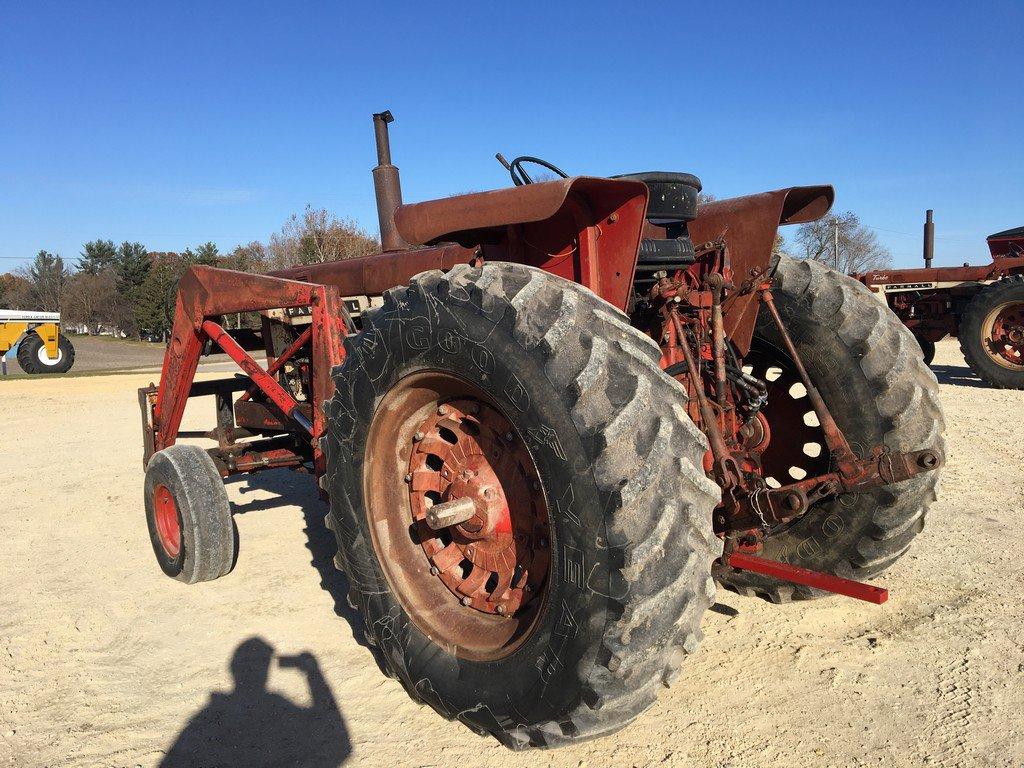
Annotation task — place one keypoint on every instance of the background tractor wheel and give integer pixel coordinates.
(868, 368)
(188, 514)
(992, 333)
(32, 356)
(554, 603)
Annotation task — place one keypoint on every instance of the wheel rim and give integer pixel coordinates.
(45, 358)
(793, 447)
(168, 525)
(478, 586)
(1002, 335)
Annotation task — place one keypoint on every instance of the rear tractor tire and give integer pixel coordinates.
(991, 333)
(188, 515)
(33, 358)
(869, 370)
(518, 500)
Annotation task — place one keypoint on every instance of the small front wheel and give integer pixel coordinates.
(188, 514)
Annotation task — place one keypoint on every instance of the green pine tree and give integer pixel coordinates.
(48, 278)
(133, 265)
(97, 256)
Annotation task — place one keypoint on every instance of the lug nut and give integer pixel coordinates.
(928, 460)
(501, 610)
(442, 410)
(408, 478)
(434, 570)
(508, 436)
(466, 601)
(543, 543)
(536, 485)
(417, 437)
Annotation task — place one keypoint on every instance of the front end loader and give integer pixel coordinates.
(548, 420)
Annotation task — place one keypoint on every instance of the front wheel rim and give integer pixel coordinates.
(476, 587)
(168, 524)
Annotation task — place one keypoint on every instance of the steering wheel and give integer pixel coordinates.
(518, 173)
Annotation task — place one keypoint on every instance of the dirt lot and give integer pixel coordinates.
(106, 662)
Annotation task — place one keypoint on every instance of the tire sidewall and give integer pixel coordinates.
(452, 333)
(161, 471)
(32, 350)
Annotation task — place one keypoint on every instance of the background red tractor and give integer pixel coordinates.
(982, 306)
(548, 420)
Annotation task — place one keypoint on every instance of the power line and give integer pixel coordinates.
(918, 234)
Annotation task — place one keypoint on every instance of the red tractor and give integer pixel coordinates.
(982, 306)
(548, 420)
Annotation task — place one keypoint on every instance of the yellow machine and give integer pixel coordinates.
(42, 348)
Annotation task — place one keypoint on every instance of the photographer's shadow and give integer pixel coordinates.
(251, 726)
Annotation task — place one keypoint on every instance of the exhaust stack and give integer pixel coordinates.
(387, 185)
(929, 238)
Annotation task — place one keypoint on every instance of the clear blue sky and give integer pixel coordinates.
(177, 123)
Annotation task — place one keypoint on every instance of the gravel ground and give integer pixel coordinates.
(106, 662)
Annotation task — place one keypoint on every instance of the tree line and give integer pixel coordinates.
(131, 290)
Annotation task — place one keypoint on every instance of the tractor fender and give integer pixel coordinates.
(749, 225)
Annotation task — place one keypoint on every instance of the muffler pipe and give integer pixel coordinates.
(929, 238)
(387, 185)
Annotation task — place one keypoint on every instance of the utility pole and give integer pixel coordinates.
(835, 243)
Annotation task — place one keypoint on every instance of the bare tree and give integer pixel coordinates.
(254, 257)
(317, 236)
(858, 247)
(93, 300)
(15, 292)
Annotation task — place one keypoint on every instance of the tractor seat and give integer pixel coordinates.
(673, 196)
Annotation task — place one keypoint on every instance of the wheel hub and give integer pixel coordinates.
(168, 527)
(791, 443)
(1005, 339)
(496, 560)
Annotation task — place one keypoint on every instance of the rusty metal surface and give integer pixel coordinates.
(411, 447)
(258, 417)
(205, 292)
(387, 185)
(748, 226)
(481, 216)
(1009, 242)
(372, 275)
(964, 274)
